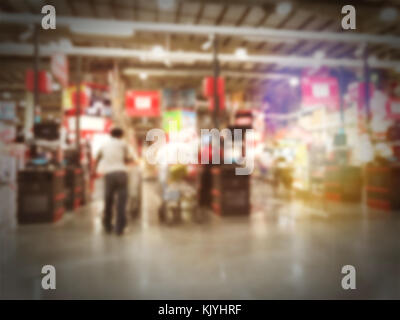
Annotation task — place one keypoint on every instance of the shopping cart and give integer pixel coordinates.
(178, 190)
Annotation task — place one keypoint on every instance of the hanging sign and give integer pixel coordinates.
(320, 91)
(142, 103)
(59, 68)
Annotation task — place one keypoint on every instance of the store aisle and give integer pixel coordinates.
(272, 254)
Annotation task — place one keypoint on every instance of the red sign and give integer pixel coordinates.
(59, 68)
(320, 91)
(88, 125)
(44, 81)
(393, 108)
(142, 103)
(208, 86)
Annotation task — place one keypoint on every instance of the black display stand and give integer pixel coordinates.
(383, 185)
(230, 192)
(40, 195)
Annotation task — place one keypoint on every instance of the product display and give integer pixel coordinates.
(383, 185)
(230, 192)
(343, 183)
(41, 195)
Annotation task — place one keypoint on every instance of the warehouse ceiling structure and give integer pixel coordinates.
(167, 42)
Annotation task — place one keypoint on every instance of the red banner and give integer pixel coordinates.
(44, 81)
(142, 103)
(208, 87)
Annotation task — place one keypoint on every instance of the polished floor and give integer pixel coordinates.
(286, 249)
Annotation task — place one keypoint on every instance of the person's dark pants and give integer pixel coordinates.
(116, 184)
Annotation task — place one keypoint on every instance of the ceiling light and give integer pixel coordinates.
(166, 4)
(101, 29)
(388, 14)
(143, 76)
(241, 53)
(294, 82)
(158, 51)
(319, 54)
(284, 8)
(206, 45)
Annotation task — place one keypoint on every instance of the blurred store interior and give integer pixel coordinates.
(323, 107)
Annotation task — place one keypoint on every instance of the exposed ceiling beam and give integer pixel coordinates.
(221, 15)
(200, 13)
(196, 72)
(19, 49)
(234, 31)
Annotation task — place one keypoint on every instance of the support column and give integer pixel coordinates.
(78, 106)
(36, 66)
(216, 71)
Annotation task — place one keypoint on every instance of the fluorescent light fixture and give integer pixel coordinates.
(388, 14)
(101, 29)
(284, 8)
(294, 82)
(158, 51)
(319, 54)
(168, 63)
(241, 53)
(269, 39)
(143, 76)
(206, 45)
(166, 4)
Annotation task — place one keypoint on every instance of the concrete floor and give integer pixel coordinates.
(285, 249)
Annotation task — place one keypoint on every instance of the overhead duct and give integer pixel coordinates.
(202, 73)
(262, 33)
(185, 56)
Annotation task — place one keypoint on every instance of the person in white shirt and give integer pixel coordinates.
(114, 156)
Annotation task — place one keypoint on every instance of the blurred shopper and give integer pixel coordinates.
(282, 174)
(114, 156)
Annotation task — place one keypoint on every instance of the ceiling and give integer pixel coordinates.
(304, 15)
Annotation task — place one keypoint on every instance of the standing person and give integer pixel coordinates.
(114, 155)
